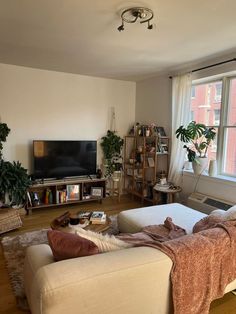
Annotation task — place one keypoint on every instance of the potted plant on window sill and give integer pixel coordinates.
(198, 137)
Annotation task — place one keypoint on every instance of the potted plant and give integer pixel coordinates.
(112, 145)
(14, 180)
(198, 138)
(4, 131)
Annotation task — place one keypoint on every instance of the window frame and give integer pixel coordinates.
(224, 111)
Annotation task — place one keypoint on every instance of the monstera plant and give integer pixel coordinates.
(198, 137)
(14, 180)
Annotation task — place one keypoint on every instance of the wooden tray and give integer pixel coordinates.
(91, 227)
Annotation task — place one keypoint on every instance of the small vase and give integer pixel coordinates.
(188, 165)
(212, 171)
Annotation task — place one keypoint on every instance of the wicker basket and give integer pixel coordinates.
(9, 220)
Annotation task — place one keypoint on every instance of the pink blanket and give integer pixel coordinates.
(204, 264)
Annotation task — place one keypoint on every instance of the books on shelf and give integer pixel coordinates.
(61, 196)
(98, 217)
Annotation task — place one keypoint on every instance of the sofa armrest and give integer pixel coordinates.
(36, 257)
(134, 281)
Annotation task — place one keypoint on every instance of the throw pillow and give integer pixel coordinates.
(207, 223)
(105, 243)
(229, 214)
(67, 245)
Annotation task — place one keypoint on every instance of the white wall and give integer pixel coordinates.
(40, 104)
(153, 102)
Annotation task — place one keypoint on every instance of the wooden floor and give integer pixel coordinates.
(42, 218)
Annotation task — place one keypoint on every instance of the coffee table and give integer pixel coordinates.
(91, 227)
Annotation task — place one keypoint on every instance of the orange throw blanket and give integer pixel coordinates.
(204, 264)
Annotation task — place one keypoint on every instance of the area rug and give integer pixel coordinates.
(14, 252)
(14, 249)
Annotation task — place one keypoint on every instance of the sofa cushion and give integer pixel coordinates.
(226, 215)
(67, 245)
(135, 219)
(105, 243)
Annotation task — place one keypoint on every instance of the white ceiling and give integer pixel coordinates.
(81, 36)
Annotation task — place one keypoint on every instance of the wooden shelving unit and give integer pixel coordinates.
(57, 192)
(163, 153)
(141, 158)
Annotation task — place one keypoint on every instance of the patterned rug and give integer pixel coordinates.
(14, 252)
(14, 249)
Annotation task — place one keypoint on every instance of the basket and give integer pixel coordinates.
(9, 220)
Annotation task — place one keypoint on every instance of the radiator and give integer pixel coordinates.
(206, 204)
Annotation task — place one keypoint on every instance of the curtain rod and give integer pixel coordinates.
(211, 66)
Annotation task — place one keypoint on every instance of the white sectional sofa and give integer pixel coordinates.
(129, 281)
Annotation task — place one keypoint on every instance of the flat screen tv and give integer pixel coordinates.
(60, 159)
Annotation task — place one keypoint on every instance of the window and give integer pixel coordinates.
(192, 115)
(209, 108)
(218, 89)
(193, 92)
(217, 117)
(229, 133)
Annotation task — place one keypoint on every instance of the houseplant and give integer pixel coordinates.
(14, 180)
(4, 131)
(198, 138)
(112, 146)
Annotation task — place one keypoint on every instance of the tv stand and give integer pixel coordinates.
(64, 192)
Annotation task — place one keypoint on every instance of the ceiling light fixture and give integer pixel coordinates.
(132, 15)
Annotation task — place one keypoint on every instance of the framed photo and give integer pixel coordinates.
(96, 192)
(165, 148)
(151, 162)
(72, 192)
(160, 131)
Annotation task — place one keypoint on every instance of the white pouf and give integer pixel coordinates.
(135, 219)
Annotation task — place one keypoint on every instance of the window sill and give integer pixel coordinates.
(219, 178)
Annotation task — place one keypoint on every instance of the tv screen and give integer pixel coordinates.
(60, 159)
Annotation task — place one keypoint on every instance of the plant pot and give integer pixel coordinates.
(188, 165)
(200, 165)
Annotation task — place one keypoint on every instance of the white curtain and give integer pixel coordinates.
(181, 100)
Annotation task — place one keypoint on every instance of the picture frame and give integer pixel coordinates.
(72, 192)
(151, 162)
(165, 148)
(160, 131)
(96, 192)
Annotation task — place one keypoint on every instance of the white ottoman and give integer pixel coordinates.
(135, 219)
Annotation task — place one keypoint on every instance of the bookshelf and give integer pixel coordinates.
(64, 192)
(142, 156)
